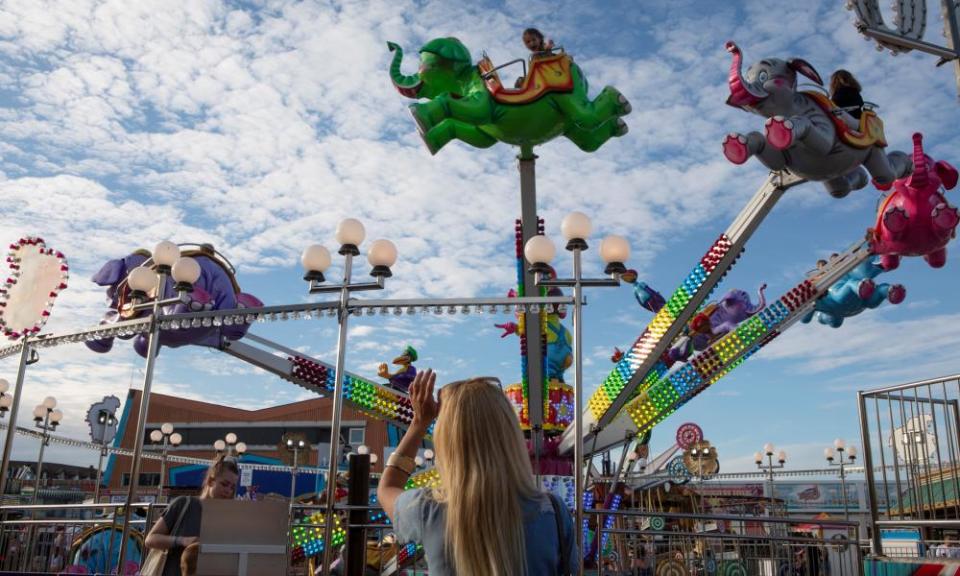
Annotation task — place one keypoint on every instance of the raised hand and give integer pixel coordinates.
(508, 328)
(425, 407)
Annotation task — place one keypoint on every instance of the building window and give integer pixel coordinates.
(146, 479)
(357, 436)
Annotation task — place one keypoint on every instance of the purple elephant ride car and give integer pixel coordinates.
(716, 320)
(216, 289)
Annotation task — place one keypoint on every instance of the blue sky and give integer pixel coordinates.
(256, 126)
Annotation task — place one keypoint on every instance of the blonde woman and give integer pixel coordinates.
(488, 518)
(179, 528)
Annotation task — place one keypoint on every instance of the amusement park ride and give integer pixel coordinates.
(689, 344)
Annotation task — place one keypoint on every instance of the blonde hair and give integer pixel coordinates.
(484, 473)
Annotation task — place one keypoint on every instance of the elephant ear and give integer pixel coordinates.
(801, 66)
(947, 173)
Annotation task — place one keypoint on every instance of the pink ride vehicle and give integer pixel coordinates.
(915, 219)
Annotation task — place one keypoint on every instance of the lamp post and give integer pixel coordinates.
(165, 261)
(46, 417)
(107, 420)
(381, 255)
(230, 445)
(168, 437)
(428, 457)
(295, 446)
(840, 446)
(539, 252)
(769, 467)
(701, 453)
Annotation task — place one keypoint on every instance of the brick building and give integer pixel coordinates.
(203, 423)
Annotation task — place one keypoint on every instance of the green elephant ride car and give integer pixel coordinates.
(467, 101)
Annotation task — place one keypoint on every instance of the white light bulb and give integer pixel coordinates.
(350, 231)
(4, 385)
(828, 453)
(363, 449)
(839, 444)
(166, 253)
(418, 461)
(156, 436)
(219, 445)
(241, 447)
(176, 438)
(166, 428)
(382, 253)
(539, 250)
(768, 448)
(576, 226)
(56, 416)
(428, 454)
(39, 412)
(758, 457)
(142, 279)
(852, 452)
(50, 402)
(315, 258)
(6, 401)
(186, 270)
(373, 458)
(231, 438)
(615, 249)
(782, 456)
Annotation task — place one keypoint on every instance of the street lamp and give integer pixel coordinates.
(381, 255)
(295, 446)
(428, 455)
(230, 445)
(168, 437)
(539, 252)
(107, 420)
(165, 261)
(769, 467)
(701, 452)
(840, 446)
(46, 417)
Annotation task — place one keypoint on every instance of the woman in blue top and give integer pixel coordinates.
(487, 518)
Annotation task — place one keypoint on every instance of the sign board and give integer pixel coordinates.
(246, 476)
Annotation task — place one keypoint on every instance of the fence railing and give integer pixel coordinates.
(911, 434)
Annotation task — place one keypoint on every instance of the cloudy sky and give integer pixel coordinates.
(258, 125)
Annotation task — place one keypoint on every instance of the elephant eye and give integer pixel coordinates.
(762, 76)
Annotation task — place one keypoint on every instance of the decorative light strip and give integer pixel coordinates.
(639, 356)
(14, 260)
(307, 538)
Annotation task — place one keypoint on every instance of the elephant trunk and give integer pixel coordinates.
(742, 95)
(920, 178)
(409, 86)
(761, 300)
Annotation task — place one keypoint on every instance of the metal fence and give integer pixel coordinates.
(911, 441)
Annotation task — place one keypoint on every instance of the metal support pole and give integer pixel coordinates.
(359, 495)
(529, 223)
(44, 439)
(163, 470)
(14, 409)
(843, 487)
(96, 487)
(331, 488)
(293, 479)
(875, 544)
(153, 344)
(578, 468)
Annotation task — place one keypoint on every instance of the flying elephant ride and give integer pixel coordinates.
(468, 101)
(854, 293)
(915, 219)
(215, 289)
(716, 320)
(805, 133)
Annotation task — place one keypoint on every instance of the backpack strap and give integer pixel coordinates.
(564, 552)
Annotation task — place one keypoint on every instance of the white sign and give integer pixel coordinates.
(246, 476)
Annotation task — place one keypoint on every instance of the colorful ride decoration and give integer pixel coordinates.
(37, 276)
(647, 297)
(854, 293)
(103, 430)
(716, 320)
(403, 377)
(671, 567)
(689, 434)
(94, 551)
(805, 133)
(678, 471)
(732, 568)
(558, 405)
(306, 538)
(915, 219)
(699, 465)
(216, 289)
(468, 102)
